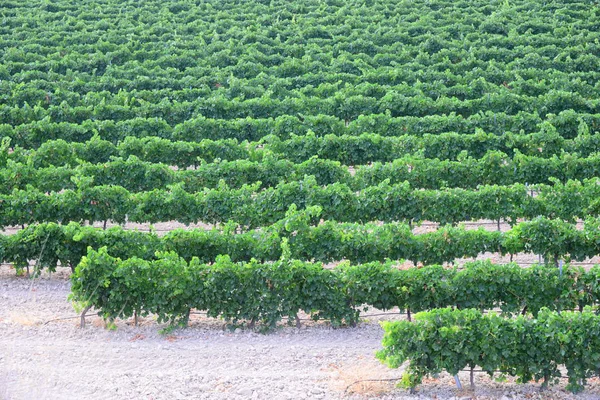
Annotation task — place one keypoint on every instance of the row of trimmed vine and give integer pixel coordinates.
(568, 124)
(528, 348)
(49, 245)
(347, 149)
(251, 207)
(169, 286)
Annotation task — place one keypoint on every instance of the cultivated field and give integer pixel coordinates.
(224, 199)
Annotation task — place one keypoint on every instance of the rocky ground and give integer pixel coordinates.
(45, 355)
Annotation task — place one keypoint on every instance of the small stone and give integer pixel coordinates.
(237, 330)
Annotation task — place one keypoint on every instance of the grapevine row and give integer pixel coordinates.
(252, 207)
(567, 124)
(528, 348)
(494, 168)
(48, 245)
(169, 287)
(347, 149)
(397, 103)
(136, 175)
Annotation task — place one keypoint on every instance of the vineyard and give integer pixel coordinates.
(314, 160)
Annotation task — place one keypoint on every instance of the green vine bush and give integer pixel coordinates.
(528, 347)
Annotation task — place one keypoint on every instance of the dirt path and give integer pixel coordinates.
(57, 360)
